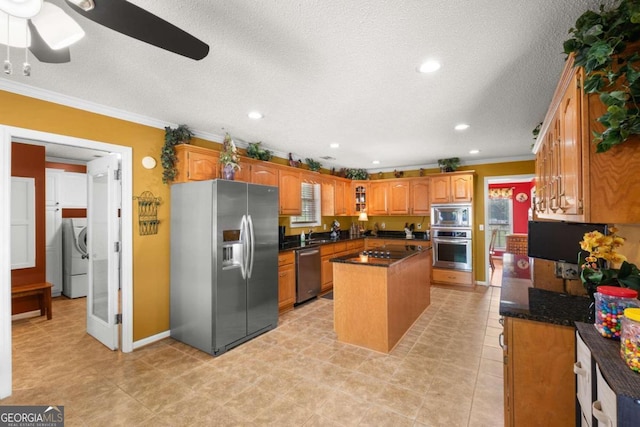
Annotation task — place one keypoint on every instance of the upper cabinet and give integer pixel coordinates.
(573, 182)
(290, 187)
(196, 163)
(360, 191)
(399, 197)
(419, 196)
(341, 199)
(263, 173)
(453, 187)
(378, 198)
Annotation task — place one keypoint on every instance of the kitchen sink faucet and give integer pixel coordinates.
(310, 233)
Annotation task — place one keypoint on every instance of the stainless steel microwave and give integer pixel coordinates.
(451, 215)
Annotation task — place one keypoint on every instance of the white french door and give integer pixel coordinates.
(103, 246)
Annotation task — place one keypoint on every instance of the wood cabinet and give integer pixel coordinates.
(419, 197)
(289, 183)
(378, 200)
(451, 277)
(399, 197)
(360, 191)
(453, 187)
(327, 197)
(539, 385)
(263, 173)
(326, 271)
(573, 182)
(196, 163)
(286, 281)
(340, 197)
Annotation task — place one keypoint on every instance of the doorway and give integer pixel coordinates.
(7, 135)
(507, 212)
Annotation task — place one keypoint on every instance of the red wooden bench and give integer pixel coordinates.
(42, 290)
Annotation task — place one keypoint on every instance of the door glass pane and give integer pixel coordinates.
(99, 244)
(500, 214)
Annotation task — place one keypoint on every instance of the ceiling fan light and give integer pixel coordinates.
(18, 35)
(57, 28)
(85, 5)
(21, 8)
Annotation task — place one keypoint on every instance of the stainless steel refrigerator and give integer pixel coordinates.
(224, 263)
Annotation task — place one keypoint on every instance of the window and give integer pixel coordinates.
(310, 207)
(500, 214)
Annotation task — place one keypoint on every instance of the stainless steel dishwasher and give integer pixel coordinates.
(308, 266)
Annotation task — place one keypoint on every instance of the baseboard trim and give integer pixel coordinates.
(150, 340)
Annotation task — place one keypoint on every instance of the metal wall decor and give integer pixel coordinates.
(148, 213)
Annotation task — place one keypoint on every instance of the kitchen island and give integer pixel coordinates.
(379, 294)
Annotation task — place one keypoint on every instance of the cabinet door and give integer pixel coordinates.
(286, 286)
(360, 197)
(440, 189)
(379, 198)
(264, 174)
(244, 173)
(327, 197)
(419, 202)
(72, 190)
(201, 167)
(540, 379)
(340, 194)
(569, 179)
(399, 198)
(53, 248)
(462, 188)
(51, 187)
(326, 273)
(290, 192)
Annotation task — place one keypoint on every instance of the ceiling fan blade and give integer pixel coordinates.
(133, 21)
(43, 52)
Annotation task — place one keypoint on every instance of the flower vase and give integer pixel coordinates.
(228, 172)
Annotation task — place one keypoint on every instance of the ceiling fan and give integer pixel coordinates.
(48, 31)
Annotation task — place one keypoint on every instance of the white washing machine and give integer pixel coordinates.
(75, 260)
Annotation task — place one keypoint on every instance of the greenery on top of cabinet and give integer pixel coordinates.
(172, 137)
(598, 41)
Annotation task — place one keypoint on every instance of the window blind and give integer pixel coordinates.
(310, 197)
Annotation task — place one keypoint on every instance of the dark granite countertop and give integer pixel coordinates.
(293, 242)
(398, 253)
(520, 298)
(606, 352)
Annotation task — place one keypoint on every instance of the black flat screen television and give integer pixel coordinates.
(558, 240)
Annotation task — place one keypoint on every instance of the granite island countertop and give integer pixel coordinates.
(293, 242)
(521, 299)
(383, 256)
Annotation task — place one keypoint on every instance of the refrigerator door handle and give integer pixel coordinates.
(251, 245)
(243, 239)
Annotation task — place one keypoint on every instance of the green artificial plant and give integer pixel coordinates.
(599, 41)
(172, 137)
(256, 152)
(449, 165)
(313, 165)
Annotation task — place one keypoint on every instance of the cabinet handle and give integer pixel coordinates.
(501, 341)
(579, 370)
(598, 413)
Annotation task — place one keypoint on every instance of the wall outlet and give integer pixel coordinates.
(419, 226)
(324, 226)
(383, 225)
(481, 227)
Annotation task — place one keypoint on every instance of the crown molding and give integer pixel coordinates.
(464, 163)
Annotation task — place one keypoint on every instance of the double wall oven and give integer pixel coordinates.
(451, 226)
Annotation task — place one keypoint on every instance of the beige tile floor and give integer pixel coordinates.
(446, 371)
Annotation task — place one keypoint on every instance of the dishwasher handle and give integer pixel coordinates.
(308, 252)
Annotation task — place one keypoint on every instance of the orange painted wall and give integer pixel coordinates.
(150, 253)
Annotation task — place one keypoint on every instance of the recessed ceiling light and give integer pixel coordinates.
(334, 145)
(429, 66)
(255, 115)
(461, 126)
(474, 151)
(376, 162)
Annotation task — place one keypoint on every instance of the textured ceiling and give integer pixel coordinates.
(335, 71)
